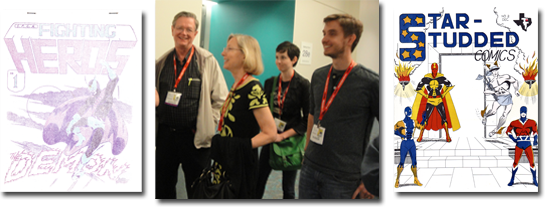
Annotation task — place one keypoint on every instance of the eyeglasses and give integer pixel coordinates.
(181, 29)
(230, 49)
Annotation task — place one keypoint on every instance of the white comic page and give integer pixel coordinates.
(465, 99)
(71, 92)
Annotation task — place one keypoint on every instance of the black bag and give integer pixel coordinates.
(206, 187)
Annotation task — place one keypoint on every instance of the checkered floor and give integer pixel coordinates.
(465, 164)
(466, 180)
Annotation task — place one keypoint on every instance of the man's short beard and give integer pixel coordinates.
(335, 55)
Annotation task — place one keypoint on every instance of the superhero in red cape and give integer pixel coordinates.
(433, 93)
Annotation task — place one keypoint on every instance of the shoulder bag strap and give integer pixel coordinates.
(272, 92)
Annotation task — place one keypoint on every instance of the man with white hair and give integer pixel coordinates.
(191, 90)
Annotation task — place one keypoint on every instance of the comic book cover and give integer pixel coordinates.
(465, 99)
(71, 92)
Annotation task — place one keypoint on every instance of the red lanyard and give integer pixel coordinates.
(183, 69)
(324, 104)
(228, 99)
(281, 102)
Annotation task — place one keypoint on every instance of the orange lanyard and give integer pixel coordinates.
(228, 99)
(281, 102)
(324, 104)
(178, 79)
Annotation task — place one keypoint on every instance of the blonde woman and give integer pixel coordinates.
(246, 122)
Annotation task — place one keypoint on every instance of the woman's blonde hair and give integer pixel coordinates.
(252, 53)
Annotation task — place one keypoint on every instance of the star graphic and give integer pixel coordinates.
(404, 33)
(420, 44)
(417, 54)
(407, 20)
(418, 20)
(414, 37)
(405, 54)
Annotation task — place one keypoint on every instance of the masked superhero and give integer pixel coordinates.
(405, 129)
(520, 132)
(433, 93)
(88, 121)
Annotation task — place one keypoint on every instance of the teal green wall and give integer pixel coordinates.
(270, 22)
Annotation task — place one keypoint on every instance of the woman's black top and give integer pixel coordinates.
(296, 104)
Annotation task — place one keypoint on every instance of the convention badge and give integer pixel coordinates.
(173, 98)
(280, 125)
(317, 134)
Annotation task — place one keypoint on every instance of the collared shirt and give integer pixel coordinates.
(185, 114)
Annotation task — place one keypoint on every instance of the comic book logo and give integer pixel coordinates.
(523, 22)
(451, 31)
(407, 21)
(54, 48)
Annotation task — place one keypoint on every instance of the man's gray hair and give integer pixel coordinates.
(186, 14)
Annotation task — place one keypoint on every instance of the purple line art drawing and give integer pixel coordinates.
(87, 121)
(84, 120)
(71, 107)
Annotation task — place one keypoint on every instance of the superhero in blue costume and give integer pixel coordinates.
(405, 129)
